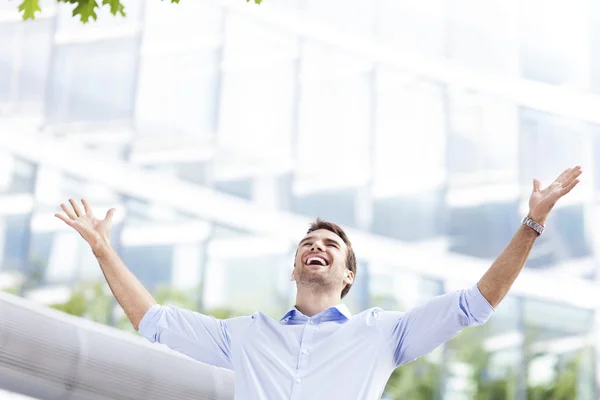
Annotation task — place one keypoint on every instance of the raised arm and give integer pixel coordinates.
(417, 332)
(496, 282)
(127, 289)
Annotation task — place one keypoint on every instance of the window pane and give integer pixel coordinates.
(93, 81)
(560, 141)
(355, 16)
(34, 65)
(151, 265)
(555, 41)
(16, 242)
(8, 49)
(484, 135)
(414, 25)
(484, 35)
(177, 93)
(334, 119)
(411, 132)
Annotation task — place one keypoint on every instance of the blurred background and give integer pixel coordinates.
(219, 129)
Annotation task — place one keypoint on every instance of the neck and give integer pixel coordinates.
(310, 302)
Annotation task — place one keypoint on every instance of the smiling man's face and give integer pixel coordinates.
(321, 262)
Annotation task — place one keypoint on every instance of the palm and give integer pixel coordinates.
(542, 201)
(85, 222)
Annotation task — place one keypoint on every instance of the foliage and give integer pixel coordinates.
(418, 380)
(85, 9)
(89, 300)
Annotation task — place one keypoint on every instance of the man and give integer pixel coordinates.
(318, 350)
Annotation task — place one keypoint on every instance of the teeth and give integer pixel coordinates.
(320, 259)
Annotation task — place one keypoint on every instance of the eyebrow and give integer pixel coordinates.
(326, 240)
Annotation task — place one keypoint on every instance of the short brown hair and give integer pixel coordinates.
(350, 257)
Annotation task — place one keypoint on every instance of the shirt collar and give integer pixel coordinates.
(340, 310)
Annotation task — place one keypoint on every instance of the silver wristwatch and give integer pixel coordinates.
(533, 225)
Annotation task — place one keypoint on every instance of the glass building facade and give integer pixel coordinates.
(219, 129)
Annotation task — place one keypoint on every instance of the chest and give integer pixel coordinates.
(296, 344)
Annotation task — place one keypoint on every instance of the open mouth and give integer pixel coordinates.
(316, 260)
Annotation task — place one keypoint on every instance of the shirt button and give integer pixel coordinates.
(312, 322)
(298, 380)
(304, 351)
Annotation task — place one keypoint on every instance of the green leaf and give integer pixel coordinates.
(255, 1)
(115, 7)
(29, 8)
(86, 9)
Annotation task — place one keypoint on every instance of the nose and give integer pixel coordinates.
(317, 246)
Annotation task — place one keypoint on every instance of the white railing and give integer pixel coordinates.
(46, 354)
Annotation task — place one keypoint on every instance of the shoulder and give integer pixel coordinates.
(243, 322)
(376, 316)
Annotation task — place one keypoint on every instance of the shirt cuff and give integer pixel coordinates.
(479, 307)
(147, 326)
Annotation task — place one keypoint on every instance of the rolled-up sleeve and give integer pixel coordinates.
(201, 337)
(419, 331)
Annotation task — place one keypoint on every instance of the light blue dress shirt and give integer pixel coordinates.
(333, 355)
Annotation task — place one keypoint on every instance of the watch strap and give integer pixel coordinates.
(533, 225)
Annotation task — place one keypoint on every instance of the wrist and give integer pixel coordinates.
(537, 219)
(534, 224)
(101, 247)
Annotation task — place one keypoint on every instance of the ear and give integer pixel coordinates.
(349, 278)
(293, 276)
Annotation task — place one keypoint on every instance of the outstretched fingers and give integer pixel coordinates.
(69, 221)
(86, 207)
(566, 189)
(569, 174)
(75, 207)
(109, 214)
(68, 211)
(561, 178)
(575, 172)
(570, 180)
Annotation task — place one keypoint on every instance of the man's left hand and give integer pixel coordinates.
(542, 201)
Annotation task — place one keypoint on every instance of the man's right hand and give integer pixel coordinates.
(95, 231)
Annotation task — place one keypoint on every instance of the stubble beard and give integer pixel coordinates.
(315, 282)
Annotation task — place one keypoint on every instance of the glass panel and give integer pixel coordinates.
(484, 136)
(16, 242)
(257, 108)
(555, 348)
(353, 16)
(248, 284)
(20, 175)
(337, 206)
(414, 26)
(152, 265)
(93, 81)
(482, 230)
(177, 94)
(332, 106)
(411, 132)
(484, 35)
(34, 64)
(486, 360)
(556, 48)
(8, 50)
(64, 260)
(187, 25)
(410, 217)
(561, 141)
